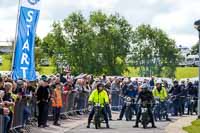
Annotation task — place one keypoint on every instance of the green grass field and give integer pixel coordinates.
(47, 70)
(7, 62)
(181, 72)
(6, 66)
(194, 128)
(186, 72)
(133, 72)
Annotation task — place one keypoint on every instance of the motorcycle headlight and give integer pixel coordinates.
(128, 99)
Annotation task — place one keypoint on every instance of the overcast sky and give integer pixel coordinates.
(175, 17)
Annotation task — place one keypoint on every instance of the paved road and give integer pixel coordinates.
(120, 127)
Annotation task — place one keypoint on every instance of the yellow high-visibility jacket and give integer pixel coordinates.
(99, 97)
(162, 94)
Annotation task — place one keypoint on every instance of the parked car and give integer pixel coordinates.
(44, 62)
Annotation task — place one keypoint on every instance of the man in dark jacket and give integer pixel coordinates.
(43, 95)
(193, 98)
(176, 93)
(145, 96)
(129, 92)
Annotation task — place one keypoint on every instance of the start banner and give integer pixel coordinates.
(24, 57)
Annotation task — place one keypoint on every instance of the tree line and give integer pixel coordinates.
(108, 44)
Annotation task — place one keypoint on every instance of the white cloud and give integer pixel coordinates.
(95, 4)
(43, 28)
(170, 21)
(8, 12)
(175, 17)
(185, 39)
(7, 30)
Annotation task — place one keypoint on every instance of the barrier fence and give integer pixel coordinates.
(1, 123)
(73, 103)
(116, 101)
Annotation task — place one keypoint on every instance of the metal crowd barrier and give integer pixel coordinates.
(1, 123)
(73, 103)
(116, 100)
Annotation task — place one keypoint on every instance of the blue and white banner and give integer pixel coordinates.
(24, 57)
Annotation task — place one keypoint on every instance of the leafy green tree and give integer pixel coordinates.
(154, 52)
(80, 48)
(113, 38)
(38, 52)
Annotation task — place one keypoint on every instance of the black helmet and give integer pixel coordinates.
(175, 81)
(100, 84)
(190, 83)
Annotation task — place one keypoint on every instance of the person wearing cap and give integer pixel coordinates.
(160, 92)
(145, 96)
(98, 96)
(57, 104)
(43, 95)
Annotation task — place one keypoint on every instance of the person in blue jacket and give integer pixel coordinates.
(130, 92)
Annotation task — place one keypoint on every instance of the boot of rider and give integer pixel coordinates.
(136, 124)
(89, 121)
(107, 125)
(153, 125)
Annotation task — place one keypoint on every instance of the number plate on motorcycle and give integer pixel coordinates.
(144, 109)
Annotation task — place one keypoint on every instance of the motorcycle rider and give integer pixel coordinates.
(145, 96)
(160, 92)
(130, 92)
(98, 96)
(183, 96)
(192, 92)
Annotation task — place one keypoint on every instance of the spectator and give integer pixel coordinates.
(152, 84)
(108, 106)
(62, 79)
(81, 101)
(9, 101)
(57, 103)
(4, 111)
(43, 95)
(1, 83)
(104, 79)
(67, 88)
(115, 91)
(26, 97)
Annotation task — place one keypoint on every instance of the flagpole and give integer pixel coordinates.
(16, 33)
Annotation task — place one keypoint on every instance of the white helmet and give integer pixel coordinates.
(159, 81)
